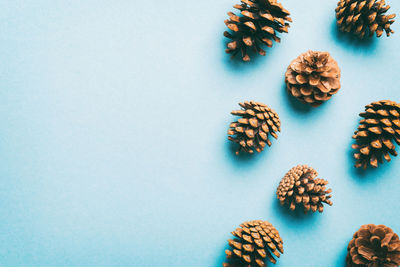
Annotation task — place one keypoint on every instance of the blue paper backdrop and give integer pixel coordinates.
(113, 141)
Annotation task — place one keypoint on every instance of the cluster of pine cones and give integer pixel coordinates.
(257, 241)
(376, 136)
(313, 78)
(260, 21)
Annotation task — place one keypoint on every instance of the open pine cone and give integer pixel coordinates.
(252, 129)
(377, 132)
(258, 24)
(313, 77)
(364, 17)
(254, 242)
(301, 187)
(374, 246)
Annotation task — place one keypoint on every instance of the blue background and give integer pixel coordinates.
(113, 137)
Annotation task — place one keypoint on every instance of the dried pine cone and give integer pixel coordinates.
(374, 245)
(254, 241)
(258, 24)
(378, 129)
(251, 131)
(301, 187)
(364, 17)
(313, 77)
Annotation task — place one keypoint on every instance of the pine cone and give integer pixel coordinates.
(301, 187)
(313, 77)
(364, 17)
(374, 245)
(254, 241)
(376, 132)
(251, 131)
(258, 24)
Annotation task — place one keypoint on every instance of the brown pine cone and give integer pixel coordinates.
(251, 131)
(313, 77)
(301, 187)
(254, 242)
(258, 24)
(376, 134)
(364, 17)
(374, 246)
